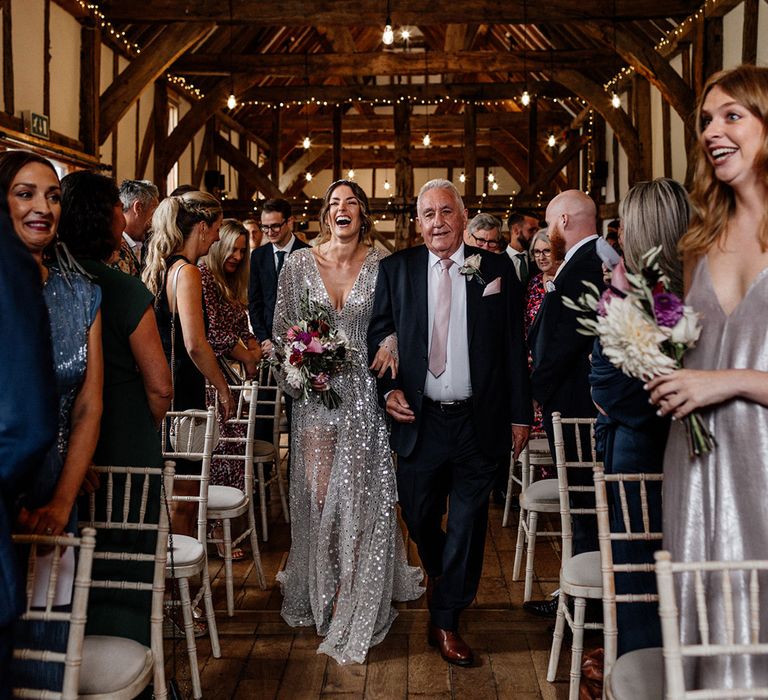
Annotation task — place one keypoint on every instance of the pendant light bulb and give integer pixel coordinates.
(388, 37)
(351, 174)
(426, 140)
(405, 34)
(387, 185)
(551, 142)
(615, 100)
(306, 143)
(308, 177)
(491, 177)
(525, 99)
(495, 186)
(231, 101)
(462, 177)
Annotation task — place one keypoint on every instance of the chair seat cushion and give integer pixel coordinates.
(583, 570)
(262, 448)
(638, 675)
(186, 550)
(224, 497)
(111, 664)
(544, 491)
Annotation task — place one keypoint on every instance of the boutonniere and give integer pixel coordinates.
(549, 286)
(471, 268)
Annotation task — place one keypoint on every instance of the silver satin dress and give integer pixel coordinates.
(347, 560)
(716, 506)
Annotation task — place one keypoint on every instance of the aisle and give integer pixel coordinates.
(264, 658)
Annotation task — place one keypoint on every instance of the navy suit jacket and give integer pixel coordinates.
(262, 288)
(560, 377)
(28, 405)
(497, 354)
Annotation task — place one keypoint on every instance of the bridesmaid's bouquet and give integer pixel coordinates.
(312, 352)
(644, 330)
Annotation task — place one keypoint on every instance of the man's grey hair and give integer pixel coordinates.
(439, 184)
(142, 190)
(484, 222)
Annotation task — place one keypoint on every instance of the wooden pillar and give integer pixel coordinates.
(533, 128)
(749, 32)
(115, 73)
(242, 187)
(642, 119)
(470, 150)
(274, 148)
(713, 54)
(90, 69)
(697, 62)
(666, 136)
(160, 109)
(337, 143)
(616, 170)
(403, 174)
(8, 91)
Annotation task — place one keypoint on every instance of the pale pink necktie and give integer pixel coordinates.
(438, 351)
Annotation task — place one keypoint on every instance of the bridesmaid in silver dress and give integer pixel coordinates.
(347, 561)
(714, 505)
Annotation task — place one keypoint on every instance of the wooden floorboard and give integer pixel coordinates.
(262, 657)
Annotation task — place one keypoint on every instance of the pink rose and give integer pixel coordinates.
(315, 346)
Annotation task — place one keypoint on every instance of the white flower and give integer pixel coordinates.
(686, 331)
(471, 268)
(631, 342)
(293, 375)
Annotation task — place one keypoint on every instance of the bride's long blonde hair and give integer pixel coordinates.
(172, 224)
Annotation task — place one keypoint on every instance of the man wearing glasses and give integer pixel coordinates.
(484, 232)
(266, 263)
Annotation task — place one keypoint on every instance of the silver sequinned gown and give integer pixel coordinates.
(715, 505)
(347, 560)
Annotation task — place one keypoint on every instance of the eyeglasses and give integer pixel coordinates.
(491, 243)
(544, 253)
(275, 228)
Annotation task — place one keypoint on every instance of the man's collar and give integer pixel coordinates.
(578, 245)
(131, 242)
(286, 248)
(457, 257)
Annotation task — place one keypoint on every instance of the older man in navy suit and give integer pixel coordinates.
(460, 399)
(28, 410)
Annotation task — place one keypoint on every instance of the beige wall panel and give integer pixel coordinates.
(65, 73)
(733, 27)
(28, 55)
(125, 168)
(762, 31)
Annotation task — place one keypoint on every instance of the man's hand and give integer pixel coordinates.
(384, 361)
(398, 407)
(520, 435)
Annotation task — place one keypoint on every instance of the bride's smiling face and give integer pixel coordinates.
(344, 217)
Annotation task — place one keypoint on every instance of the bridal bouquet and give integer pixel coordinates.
(312, 352)
(645, 330)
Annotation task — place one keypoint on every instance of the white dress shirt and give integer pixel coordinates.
(514, 255)
(135, 246)
(286, 248)
(454, 384)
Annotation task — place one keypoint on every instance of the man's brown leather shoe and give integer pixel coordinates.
(452, 647)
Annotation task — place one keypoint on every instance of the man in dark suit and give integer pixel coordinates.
(560, 377)
(460, 398)
(266, 263)
(28, 411)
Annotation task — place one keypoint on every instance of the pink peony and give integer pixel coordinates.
(315, 346)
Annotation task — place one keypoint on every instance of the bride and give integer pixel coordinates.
(347, 560)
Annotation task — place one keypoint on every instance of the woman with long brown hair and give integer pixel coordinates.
(714, 504)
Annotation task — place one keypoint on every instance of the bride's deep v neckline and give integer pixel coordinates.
(347, 296)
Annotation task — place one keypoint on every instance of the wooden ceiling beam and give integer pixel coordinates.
(350, 64)
(551, 171)
(370, 12)
(246, 168)
(170, 43)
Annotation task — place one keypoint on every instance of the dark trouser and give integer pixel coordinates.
(6, 648)
(584, 526)
(447, 468)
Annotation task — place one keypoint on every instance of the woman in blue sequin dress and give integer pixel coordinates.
(34, 205)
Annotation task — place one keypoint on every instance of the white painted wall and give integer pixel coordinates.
(65, 72)
(27, 18)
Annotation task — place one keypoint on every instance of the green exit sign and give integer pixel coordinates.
(37, 124)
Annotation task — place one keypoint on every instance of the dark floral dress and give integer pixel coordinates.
(227, 324)
(534, 295)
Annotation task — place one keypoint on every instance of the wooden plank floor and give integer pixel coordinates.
(262, 657)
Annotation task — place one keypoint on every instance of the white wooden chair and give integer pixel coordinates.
(76, 617)
(637, 674)
(269, 407)
(114, 666)
(227, 502)
(717, 630)
(580, 577)
(535, 497)
(188, 555)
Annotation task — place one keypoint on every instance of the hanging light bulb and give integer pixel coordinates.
(308, 177)
(386, 185)
(495, 186)
(351, 174)
(491, 177)
(232, 101)
(426, 140)
(405, 34)
(615, 100)
(462, 177)
(551, 140)
(306, 143)
(525, 98)
(388, 37)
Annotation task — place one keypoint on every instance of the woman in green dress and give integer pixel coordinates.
(137, 388)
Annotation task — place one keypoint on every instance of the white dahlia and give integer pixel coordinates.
(293, 375)
(631, 342)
